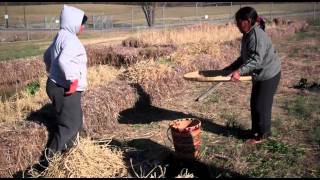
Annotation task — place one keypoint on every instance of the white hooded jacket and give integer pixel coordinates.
(66, 58)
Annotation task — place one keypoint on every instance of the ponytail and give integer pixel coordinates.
(262, 23)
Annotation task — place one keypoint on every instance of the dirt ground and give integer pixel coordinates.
(292, 151)
(224, 115)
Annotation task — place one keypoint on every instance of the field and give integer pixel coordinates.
(136, 89)
(127, 14)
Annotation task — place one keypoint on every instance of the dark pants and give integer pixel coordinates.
(261, 105)
(68, 117)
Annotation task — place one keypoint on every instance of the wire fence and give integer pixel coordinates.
(133, 17)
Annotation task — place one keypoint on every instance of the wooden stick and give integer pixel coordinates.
(209, 91)
(195, 76)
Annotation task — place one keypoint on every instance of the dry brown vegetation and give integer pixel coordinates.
(124, 56)
(20, 146)
(158, 81)
(102, 105)
(89, 159)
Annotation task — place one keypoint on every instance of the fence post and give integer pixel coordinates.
(163, 24)
(230, 10)
(271, 6)
(93, 23)
(132, 19)
(28, 36)
(314, 12)
(196, 9)
(111, 21)
(24, 16)
(6, 14)
(101, 20)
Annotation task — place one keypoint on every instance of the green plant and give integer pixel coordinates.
(299, 107)
(232, 121)
(33, 87)
(163, 60)
(316, 135)
(214, 98)
(294, 52)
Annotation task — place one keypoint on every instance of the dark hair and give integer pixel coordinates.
(247, 13)
(262, 22)
(84, 20)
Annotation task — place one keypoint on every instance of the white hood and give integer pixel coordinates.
(66, 57)
(71, 18)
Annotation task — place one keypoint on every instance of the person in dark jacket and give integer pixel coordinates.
(259, 59)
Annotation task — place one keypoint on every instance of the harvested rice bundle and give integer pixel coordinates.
(88, 160)
(102, 105)
(185, 51)
(17, 73)
(134, 42)
(156, 51)
(190, 34)
(125, 56)
(20, 146)
(203, 62)
(159, 81)
(96, 55)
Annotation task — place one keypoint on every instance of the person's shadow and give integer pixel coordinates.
(144, 113)
(147, 155)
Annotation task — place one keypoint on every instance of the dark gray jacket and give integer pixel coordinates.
(258, 57)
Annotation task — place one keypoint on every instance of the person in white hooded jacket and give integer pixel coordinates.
(66, 65)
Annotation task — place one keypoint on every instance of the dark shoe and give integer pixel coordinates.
(246, 134)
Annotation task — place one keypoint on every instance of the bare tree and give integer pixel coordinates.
(149, 9)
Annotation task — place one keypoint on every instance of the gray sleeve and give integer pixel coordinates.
(255, 53)
(47, 58)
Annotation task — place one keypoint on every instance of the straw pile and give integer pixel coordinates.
(185, 174)
(159, 81)
(119, 55)
(88, 160)
(17, 73)
(190, 34)
(102, 105)
(134, 42)
(20, 146)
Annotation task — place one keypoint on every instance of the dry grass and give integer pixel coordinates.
(88, 159)
(17, 73)
(158, 81)
(20, 105)
(101, 74)
(124, 55)
(20, 146)
(102, 105)
(185, 174)
(191, 34)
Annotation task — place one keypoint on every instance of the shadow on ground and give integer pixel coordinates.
(148, 156)
(144, 113)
